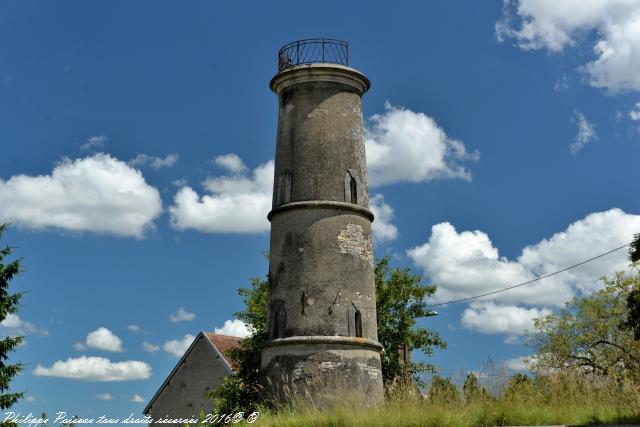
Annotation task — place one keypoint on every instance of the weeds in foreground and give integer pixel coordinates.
(573, 399)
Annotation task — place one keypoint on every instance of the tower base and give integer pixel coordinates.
(322, 370)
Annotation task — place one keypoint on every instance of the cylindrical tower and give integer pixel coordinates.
(321, 316)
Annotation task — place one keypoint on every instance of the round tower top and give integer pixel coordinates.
(317, 60)
(312, 51)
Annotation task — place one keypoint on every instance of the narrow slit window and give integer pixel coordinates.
(278, 320)
(358, 322)
(354, 190)
(351, 184)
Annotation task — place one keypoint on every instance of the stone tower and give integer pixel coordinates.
(321, 316)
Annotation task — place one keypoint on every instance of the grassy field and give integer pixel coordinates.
(427, 414)
(542, 401)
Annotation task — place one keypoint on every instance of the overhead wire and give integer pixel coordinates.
(529, 281)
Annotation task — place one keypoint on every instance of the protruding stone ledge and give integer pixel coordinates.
(323, 204)
(320, 339)
(320, 72)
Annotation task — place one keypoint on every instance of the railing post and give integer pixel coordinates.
(297, 53)
(322, 50)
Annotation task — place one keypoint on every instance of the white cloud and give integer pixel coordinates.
(136, 398)
(517, 363)
(235, 328)
(133, 328)
(231, 162)
(466, 263)
(176, 348)
(151, 348)
(634, 114)
(94, 142)
(554, 25)
(104, 396)
(235, 204)
(14, 325)
(97, 193)
(101, 339)
(153, 161)
(403, 145)
(79, 346)
(96, 369)
(586, 132)
(383, 229)
(30, 398)
(493, 319)
(181, 315)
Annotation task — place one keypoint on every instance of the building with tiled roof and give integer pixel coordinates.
(201, 369)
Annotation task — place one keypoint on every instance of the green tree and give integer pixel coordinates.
(633, 300)
(473, 391)
(589, 333)
(519, 387)
(400, 302)
(443, 390)
(8, 305)
(240, 391)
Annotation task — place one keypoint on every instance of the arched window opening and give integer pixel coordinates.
(351, 184)
(354, 190)
(356, 310)
(358, 322)
(277, 319)
(283, 189)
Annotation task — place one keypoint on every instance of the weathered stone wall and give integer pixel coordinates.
(185, 394)
(321, 314)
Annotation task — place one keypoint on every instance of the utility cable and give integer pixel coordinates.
(530, 281)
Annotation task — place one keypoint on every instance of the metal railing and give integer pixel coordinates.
(309, 51)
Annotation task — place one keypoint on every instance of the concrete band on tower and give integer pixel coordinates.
(321, 317)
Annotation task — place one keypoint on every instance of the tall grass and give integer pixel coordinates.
(568, 398)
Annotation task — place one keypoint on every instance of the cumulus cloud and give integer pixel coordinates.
(151, 348)
(231, 162)
(236, 203)
(133, 328)
(101, 339)
(555, 25)
(94, 194)
(586, 132)
(94, 143)
(383, 229)
(493, 319)
(466, 263)
(403, 145)
(176, 348)
(235, 328)
(104, 396)
(96, 369)
(634, 114)
(16, 326)
(153, 161)
(136, 398)
(517, 363)
(181, 315)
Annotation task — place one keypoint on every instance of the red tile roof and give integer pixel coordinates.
(224, 343)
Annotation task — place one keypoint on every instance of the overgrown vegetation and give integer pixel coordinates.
(591, 334)
(549, 400)
(8, 305)
(401, 300)
(585, 368)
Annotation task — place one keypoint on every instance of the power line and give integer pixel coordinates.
(530, 281)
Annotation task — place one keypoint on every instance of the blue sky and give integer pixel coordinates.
(136, 141)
